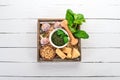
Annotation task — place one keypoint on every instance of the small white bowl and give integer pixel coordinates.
(50, 38)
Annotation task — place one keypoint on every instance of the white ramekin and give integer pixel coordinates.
(50, 38)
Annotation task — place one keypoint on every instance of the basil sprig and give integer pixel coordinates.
(74, 21)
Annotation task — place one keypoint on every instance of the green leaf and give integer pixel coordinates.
(62, 36)
(72, 29)
(81, 34)
(75, 20)
(60, 32)
(65, 39)
(69, 17)
(79, 19)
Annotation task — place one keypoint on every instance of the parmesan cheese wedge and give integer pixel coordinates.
(60, 54)
(68, 50)
(75, 53)
(69, 56)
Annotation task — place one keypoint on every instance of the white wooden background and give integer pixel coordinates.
(100, 53)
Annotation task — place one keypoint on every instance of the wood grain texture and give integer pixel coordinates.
(18, 54)
(60, 78)
(93, 55)
(18, 26)
(18, 40)
(40, 8)
(100, 53)
(60, 69)
(30, 26)
(30, 40)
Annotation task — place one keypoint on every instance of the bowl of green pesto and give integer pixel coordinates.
(59, 38)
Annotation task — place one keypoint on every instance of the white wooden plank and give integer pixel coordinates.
(59, 78)
(18, 54)
(40, 8)
(30, 25)
(21, 25)
(18, 40)
(101, 26)
(102, 40)
(31, 10)
(101, 55)
(30, 40)
(60, 2)
(60, 69)
(4, 3)
(88, 55)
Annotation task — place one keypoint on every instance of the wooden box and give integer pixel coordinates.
(51, 21)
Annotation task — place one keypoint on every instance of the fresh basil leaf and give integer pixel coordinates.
(65, 39)
(79, 19)
(60, 32)
(69, 17)
(62, 36)
(81, 34)
(72, 29)
(75, 20)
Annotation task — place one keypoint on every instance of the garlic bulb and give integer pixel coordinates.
(45, 26)
(44, 41)
(57, 25)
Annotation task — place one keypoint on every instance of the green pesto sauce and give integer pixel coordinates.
(57, 40)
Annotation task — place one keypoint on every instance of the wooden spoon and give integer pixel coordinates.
(73, 40)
